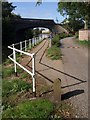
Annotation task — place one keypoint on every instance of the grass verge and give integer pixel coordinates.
(84, 43)
(54, 53)
(39, 108)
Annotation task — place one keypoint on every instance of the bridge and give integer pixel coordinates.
(23, 24)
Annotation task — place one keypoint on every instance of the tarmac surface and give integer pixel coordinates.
(72, 70)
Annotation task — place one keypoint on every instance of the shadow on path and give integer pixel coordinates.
(71, 94)
(49, 67)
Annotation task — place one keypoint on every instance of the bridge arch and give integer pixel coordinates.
(23, 24)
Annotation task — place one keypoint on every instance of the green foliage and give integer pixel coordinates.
(84, 43)
(12, 86)
(73, 25)
(8, 31)
(7, 8)
(28, 34)
(24, 75)
(56, 40)
(64, 35)
(7, 61)
(54, 53)
(76, 35)
(39, 108)
(75, 10)
(36, 32)
(7, 72)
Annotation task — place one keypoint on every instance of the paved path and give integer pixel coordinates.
(72, 71)
(75, 59)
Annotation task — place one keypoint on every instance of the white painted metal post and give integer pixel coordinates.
(25, 45)
(33, 41)
(21, 47)
(14, 57)
(36, 40)
(33, 77)
(29, 43)
(50, 40)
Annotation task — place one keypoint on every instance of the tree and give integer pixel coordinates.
(7, 9)
(36, 32)
(8, 26)
(28, 34)
(75, 11)
(39, 2)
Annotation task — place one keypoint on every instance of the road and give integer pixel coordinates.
(75, 61)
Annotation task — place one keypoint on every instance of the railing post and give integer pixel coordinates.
(14, 57)
(33, 77)
(21, 47)
(38, 39)
(29, 43)
(35, 41)
(25, 45)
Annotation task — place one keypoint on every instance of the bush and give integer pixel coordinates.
(39, 108)
(56, 40)
(76, 34)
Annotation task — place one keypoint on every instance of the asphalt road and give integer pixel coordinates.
(75, 61)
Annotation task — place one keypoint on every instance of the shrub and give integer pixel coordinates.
(76, 34)
(56, 40)
(39, 108)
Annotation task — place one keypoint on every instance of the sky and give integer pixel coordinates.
(47, 10)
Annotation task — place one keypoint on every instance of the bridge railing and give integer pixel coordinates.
(22, 47)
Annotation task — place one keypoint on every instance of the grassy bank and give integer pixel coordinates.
(84, 43)
(54, 53)
(17, 96)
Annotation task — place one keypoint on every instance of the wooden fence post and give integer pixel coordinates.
(57, 90)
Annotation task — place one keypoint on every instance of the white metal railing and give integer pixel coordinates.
(31, 43)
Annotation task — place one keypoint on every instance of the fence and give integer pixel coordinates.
(22, 47)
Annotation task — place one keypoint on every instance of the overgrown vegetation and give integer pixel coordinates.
(39, 108)
(54, 52)
(17, 94)
(84, 43)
